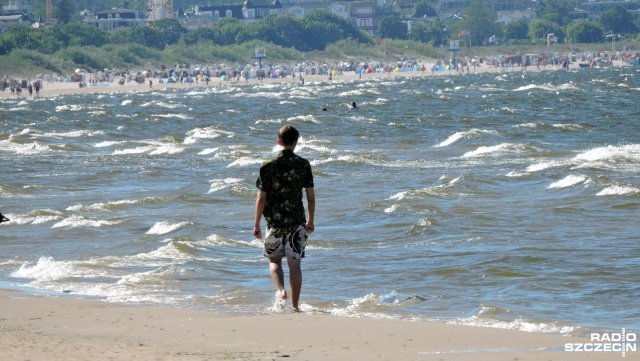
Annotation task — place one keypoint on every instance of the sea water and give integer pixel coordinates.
(499, 199)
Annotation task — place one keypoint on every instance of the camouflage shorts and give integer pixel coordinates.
(288, 242)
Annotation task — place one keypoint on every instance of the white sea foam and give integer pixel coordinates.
(495, 150)
(79, 221)
(542, 166)
(303, 118)
(465, 135)
(167, 254)
(568, 126)
(35, 217)
(547, 87)
(68, 108)
(24, 149)
(528, 125)
(391, 209)
(45, 269)
(399, 196)
(137, 150)
(170, 116)
(625, 152)
(163, 105)
(208, 151)
(568, 181)
(618, 190)
(99, 206)
(245, 161)
(518, 324)
(219, 184)
(73, 134)
(168, 149)
(206, 133)
(108, 144)
(165, 227)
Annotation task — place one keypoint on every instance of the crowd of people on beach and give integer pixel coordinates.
(16, 86)
(223, 73)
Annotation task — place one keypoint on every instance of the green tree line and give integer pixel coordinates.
(476, 25)
(310, 32)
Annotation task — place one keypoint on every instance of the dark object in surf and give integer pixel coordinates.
(3, 218)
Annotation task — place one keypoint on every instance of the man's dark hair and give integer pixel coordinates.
(288, 135)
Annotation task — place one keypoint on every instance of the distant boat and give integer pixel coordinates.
(634, 61)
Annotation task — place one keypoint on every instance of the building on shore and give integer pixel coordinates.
(114, 20)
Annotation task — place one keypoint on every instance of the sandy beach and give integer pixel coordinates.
(65, 88)
(63, 328)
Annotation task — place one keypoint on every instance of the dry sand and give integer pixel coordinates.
(41, 328)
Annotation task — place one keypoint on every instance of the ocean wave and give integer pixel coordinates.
(137, 150)
(169, 116)
(24, 149)
(245, 161)
(46, 269)
(304, 118)
(569, 126)
(163, 105)
(629, 152)
(80, 221)
(69, 108)
(617, 190)
(35, 217)
(108, 144)
(220, 184)
(206, 133)
(167, 149)
(168, 254)
(547, 87)
(152, 150)
(101, 206)
(165, 227)
(497, 150)
(465, 135)
(568, 181)
(72, 134)
(517, 324)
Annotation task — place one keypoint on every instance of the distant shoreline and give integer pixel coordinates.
(67, 88)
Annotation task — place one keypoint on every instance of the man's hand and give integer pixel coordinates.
(257, 232)
(310, 228)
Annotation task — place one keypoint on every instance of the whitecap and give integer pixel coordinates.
(45, 269)
(165, 227)
(219, 184)
(495, 149)
(617, 190)
(465, 134)
(245, 161)
(79, 221)
(568, 181)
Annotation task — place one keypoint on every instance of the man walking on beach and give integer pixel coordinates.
(279, 199)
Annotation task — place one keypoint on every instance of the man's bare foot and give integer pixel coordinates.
(280, 301)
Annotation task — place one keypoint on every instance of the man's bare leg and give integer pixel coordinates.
(277, 275)
(295, 281)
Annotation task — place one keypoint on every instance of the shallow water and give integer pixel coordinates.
(503, 200)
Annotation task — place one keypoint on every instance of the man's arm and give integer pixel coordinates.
(261, 200)
(311, 206)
